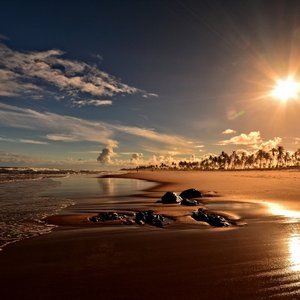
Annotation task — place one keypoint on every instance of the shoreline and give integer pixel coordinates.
(268, 206)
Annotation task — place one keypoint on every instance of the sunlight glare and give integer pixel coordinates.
(294, 250)
(279, 210)
(286, 89)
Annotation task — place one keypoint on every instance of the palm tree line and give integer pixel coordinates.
(275, 158)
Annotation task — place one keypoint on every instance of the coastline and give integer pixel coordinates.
(185, 261)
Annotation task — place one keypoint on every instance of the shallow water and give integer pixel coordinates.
(22, 209)
(24, 204)
(86, 187)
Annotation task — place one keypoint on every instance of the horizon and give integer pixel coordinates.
(109, 84)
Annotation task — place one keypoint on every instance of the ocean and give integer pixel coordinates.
(24, 204)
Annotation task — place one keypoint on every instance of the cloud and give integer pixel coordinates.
(105, 156)
(254, 140)
(150, 95)
(63, 138)
(251, 138)
(56, 127)
(4, 139)
(35, 142)
(136, 158)
(36, 73)
(23, 141)
(151, 134)
(81, 103)
(268, 145)
(12, 85)
(62, 128)
(228, 131)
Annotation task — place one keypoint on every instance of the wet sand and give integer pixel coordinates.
(185, 260)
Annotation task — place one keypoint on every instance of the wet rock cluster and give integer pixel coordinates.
(142, 217)
(107, 216)
(212, 219)
(151, 218)
(185, 198)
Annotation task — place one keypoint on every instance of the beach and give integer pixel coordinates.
(258, 259)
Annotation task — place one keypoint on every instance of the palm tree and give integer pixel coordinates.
(260, 155)
(280, 155)
(297, 157)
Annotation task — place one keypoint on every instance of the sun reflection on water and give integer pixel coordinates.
(279, 210)
(292, 216)
(294, 251)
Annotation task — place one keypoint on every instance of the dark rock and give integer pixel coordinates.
(211, 219)
(151, 218)
(191, 193)
(200, 215)
(170, 197)
(139, 222)
(217, 221)
(129, 221)
(107, 216)
(140, 218)
(189, 202)
(93, 219)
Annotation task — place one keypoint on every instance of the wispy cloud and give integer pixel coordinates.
(37, 73)
(63, 137)
(151, 134)
(4, 139)
(55, 126)
(81, 103)
(149, 95)
(35, 142)
(11, 84)
(71, 129)
(228, 131)
(23, 141)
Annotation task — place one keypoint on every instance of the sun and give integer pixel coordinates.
(286, 89)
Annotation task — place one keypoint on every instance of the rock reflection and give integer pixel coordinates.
(294, 252)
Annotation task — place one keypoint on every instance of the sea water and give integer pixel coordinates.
(24, 204)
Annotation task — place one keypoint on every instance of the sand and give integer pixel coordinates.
(185, 260)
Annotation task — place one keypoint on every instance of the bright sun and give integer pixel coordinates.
(286, 89)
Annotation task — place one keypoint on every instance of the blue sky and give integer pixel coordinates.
(143, 81)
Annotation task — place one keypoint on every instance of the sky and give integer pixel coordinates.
(99, 84)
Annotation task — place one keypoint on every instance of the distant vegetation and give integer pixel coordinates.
(276, 158)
